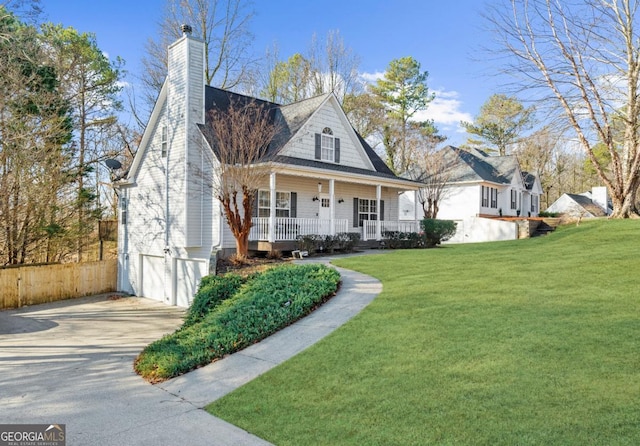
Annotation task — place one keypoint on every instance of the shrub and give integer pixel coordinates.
(342, 241)
(347, 241)
(437, 231)
(549, 214)
(267, 302)
(211, 292)
(309, 242)
(403, 240)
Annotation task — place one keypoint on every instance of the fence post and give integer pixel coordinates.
(19, 288)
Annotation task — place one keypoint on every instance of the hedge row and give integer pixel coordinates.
(342, 241)
(264, 304)
(433, 232)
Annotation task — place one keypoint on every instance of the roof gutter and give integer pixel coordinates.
(349, 177)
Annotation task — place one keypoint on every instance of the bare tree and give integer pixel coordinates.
(434, 169)
(585, 58)
(329, 67)
(240, 136)
(223, 25)
(537, 153)
(335, 66)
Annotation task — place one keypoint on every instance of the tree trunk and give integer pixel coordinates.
(242, 246)
(625, 207)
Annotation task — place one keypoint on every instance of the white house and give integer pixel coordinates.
(325, 179)
(590, 204)
(480, 187)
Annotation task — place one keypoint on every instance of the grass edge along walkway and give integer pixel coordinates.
(527, 342)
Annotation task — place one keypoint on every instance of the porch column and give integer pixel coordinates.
(272, 207)
(332, 208)
(379, 221)
(417, 210)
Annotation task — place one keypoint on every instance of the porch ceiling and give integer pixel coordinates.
(359, 177)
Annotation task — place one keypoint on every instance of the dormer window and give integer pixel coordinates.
(327, 146)
(328, 149)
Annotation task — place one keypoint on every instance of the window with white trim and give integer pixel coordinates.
(163, 142)
(367, 210)
(489, 197)
(327, 145)
(514, 199)
(283, 204)
(123, 210)
(485, 197)
(534, 203)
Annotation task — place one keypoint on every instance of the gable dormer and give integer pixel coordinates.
(325, 135)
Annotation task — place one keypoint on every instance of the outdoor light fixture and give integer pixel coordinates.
(315, 199)
(340, 200)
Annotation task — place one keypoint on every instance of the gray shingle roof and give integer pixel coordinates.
(290, 119)
(587, 204)
(336, 167)
(529, 180)
(476, 165)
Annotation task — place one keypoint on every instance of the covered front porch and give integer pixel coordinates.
(288, 229)
(295, 205)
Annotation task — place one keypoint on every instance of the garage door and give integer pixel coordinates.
(153, 277)
(188, 275)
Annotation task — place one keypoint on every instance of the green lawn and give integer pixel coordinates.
(533, 342)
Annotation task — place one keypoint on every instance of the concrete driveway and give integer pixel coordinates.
(71, 362)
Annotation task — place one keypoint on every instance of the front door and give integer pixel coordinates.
(324, 214)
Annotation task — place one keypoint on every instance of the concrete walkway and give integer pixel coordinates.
(70, 363)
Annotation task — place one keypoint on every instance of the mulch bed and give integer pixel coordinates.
(248, 266)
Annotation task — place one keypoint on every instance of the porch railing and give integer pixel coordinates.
(290, 228)
(370, 228)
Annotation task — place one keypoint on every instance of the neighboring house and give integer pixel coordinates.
(480, 186)
(594, 203)
(325, 179)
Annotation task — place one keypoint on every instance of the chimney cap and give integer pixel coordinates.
(186, 29)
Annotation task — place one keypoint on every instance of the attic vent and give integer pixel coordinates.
(186, 29)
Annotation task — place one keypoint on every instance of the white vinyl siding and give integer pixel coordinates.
(303, 146)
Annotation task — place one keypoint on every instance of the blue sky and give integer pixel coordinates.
(444, 36)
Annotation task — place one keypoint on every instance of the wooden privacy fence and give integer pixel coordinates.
(30, 285)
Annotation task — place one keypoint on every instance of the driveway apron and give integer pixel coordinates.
(71, 363)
